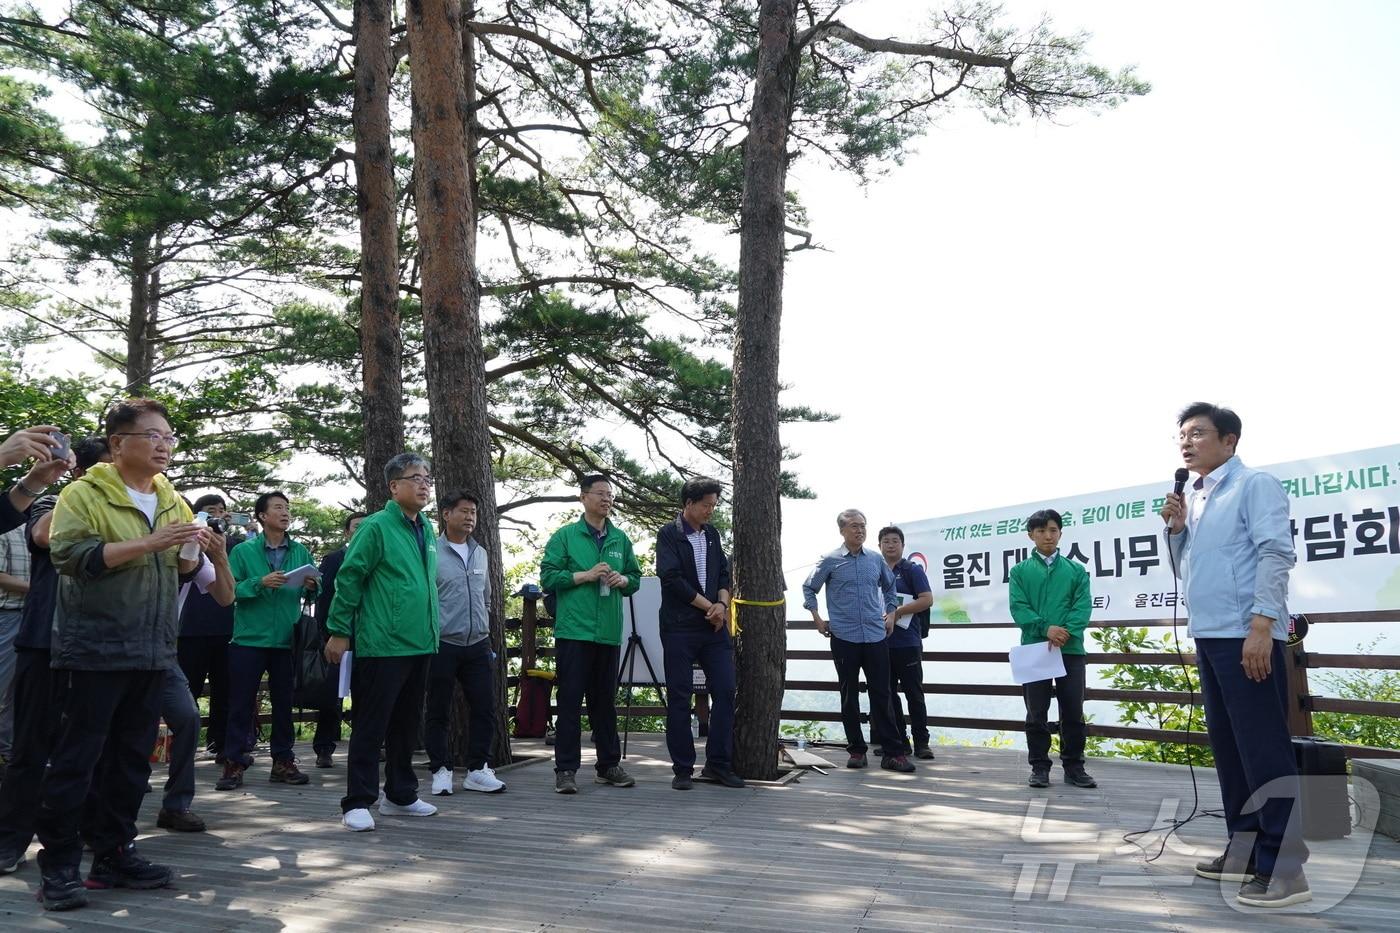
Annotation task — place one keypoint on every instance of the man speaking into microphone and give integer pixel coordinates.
(1231, 545)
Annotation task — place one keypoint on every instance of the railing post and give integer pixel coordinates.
(528, 615)
(1295, 662)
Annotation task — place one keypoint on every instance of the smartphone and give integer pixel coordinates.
(61, 444)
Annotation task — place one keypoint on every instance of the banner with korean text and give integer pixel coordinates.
(1346, 530)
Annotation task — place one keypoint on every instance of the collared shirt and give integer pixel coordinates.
(14, 560)
(416, 523)
(1234, 558)
(701, 546)
(276, 556)
(859, 592)
(1054, 556)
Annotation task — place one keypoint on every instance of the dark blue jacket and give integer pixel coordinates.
(675, 565)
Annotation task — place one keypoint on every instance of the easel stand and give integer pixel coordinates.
(635, 648)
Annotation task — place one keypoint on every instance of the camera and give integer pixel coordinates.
(218, 526)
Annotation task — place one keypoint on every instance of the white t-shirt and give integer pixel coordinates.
(145, 501)
(464, 551)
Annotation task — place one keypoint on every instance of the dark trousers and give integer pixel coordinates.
(850, 658)
(586, 674)
(715, 652)
(38, 708)
(1069, 698)
(387, 695)
(104, 743)
(327, 728)
(907, 677)
(205, 657)
(473, 667)
(246, 667)
(1248, 726)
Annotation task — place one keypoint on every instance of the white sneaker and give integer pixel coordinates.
(417, 808)
(358, 820)
(442, 782)
(482, 779)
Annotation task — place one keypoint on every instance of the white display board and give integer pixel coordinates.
(646, 604)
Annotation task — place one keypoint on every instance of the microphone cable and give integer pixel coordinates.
(1174, 825)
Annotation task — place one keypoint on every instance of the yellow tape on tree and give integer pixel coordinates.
(734, 605)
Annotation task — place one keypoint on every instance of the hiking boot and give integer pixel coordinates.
(1080, 778)
(123, 868)
(1040, 777)
(180, 821)
(564, 783)
(900, 763)
(324, 760)
(1217, 869)
(232, 779)
(682, 782)
(857, 760)
(923, 753)
(719, 775)
(60, 887)
(614, 776)
(1264, 891)
(287, 772)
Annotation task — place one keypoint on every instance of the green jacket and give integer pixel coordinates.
(264, 618)
(113, 618)
(581, 613)
(1042, 596)
(386, 590)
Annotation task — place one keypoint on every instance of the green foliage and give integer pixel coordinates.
(810, 729)
(1168, 677)
(1353, 729)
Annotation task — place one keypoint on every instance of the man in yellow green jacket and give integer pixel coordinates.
(386, 601)
(265, 611)
(1050, 601)
(589, 566)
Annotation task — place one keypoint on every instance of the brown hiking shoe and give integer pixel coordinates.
(233, 777)
(287, 772)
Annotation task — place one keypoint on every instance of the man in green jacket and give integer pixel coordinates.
(589, 566)
(1050, 601)
(265, 611)
(386, 600)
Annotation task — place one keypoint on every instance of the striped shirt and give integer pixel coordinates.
(14, 560)
(702, 553)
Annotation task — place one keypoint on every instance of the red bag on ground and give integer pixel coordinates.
(532, 704)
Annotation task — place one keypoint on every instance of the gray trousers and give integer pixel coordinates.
(181, 714)
(9, 628)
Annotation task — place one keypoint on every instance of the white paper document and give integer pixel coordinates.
(344, 689)
(903, 621)
(299, 576)
(1040, 661)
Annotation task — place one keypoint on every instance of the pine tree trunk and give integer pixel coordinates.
(455, 361)
(381, 346)
(138, 344)
(761, 653)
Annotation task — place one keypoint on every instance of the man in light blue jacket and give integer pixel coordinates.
(1231, 545)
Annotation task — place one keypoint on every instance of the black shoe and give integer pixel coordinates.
(900, 763)
(923, 753)
(564, 783)
(180, 821)
(878, 751)
(123, 868)
(614, 776)
(1216, 870)
(1265, 891)
(1080, 778)
(682, 782)
(323, 760)
(60, 888)
(1040, 777)
(10, 862)
(857, 760)
(725, 776)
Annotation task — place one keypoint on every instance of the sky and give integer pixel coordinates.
(1017, 313)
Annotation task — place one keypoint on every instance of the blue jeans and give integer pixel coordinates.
(715, 652)
(1248, 726)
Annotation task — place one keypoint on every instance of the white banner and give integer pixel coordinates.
(1346, 529)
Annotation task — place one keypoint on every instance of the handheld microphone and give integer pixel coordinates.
(1182, 475)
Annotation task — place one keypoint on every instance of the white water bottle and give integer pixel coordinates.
(694, 726)
(603, 588)
(190, 549)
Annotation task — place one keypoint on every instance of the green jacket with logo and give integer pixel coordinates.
(1058, 594)
(113, 618)
(264, 618)
(386, 590)
(581, 613)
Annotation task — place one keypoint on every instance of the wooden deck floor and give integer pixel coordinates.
(847, 851)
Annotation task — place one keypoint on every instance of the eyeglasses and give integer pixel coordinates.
(422, 479)
(1194, 435)
(155, 437)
